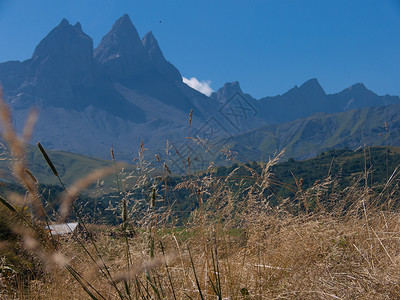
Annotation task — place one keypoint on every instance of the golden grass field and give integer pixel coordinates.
(324, 244)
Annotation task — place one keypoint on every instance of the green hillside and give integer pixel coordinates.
(286, 179)
(306, 138)
(70, 167)
(344, 166)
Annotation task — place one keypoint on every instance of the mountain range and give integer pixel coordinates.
(124, 91)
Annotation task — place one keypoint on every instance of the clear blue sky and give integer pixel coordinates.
(267, 45)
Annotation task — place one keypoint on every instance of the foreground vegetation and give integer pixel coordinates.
(237, 238)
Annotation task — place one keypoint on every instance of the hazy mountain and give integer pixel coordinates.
(305, 138)
(309, 98)
(125, 91)
(120, 54)
(157, 59)
(121, 93)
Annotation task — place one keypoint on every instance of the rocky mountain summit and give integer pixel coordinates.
(125, 91)
(306, 100)
(121, 55)
(112, 95)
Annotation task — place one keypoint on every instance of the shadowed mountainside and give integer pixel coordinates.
(124, 91)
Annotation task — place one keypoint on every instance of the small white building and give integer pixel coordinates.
(62, 229)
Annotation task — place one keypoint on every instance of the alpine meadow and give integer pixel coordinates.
(120, 178)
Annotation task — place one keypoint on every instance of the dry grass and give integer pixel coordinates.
(325, 244)
(283, 257)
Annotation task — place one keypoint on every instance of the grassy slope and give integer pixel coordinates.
(70, 167)
(305, 138)
(343, 165)
(248, 250)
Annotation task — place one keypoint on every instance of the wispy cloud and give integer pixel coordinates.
(201, 86)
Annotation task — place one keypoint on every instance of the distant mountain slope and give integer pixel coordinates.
(125, 91)
(70, 166)
(119, 94)
(305, 138)
(306, 100)
(345, 167)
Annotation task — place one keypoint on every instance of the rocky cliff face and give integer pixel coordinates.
(307, 137)
(308, 99)
(65, 72)
(65, 54)
(358, 96)
(121, 54)
(157, 59)
(125, 91)
(61, 64)
(226, 92)
(121, 93)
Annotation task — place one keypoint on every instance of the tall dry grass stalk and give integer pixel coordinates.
(323, 243)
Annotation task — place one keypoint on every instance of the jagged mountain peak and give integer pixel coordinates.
(63, 41)
(149, 40)
(234, 84)
(64, 22)
(312, 86)
(227, 91)
(124, 19)
(231, 84)
(313, 82)
(61, 61)
(125, 91)
(157, 58)
(121, 52)
(357, 90)
(124, 24)
(152, 48)
(231, 87)
(122, 39)
(359, 86)
(309, 88)
(78, 26)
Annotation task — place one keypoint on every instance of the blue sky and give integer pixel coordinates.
(267, 45)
